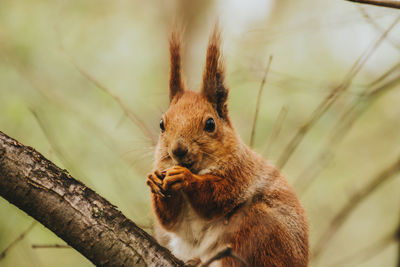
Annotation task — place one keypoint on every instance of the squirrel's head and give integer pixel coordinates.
(196, 131)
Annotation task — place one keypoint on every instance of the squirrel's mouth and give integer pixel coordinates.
(189, 165)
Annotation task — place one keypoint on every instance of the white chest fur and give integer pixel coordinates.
(194, 237)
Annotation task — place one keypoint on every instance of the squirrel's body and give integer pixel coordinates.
(210, 191)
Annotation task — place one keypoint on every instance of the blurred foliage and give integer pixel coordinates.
(47, 103)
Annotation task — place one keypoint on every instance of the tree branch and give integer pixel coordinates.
(82, 218)
(384, 3)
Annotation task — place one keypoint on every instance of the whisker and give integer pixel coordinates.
(210, 155)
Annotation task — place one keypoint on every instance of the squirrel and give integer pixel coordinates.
(209, 190)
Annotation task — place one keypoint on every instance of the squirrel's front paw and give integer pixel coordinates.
(176, 178)
(155, 182)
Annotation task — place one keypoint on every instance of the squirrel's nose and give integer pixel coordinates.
(179, 150)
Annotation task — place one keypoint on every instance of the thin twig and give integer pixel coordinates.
(18, 239)
(327, 102)
(35, 246)
(276, 130)
(383, 3)
(260, 90)
(371, 21)
(57, 100)
(353, 203)
(343, 126)
(386, 74)
(54, 145)
(132, 116)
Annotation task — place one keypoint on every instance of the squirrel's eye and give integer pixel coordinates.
(210, 125)
(162, 127)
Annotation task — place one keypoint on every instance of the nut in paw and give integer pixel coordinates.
(155, 182)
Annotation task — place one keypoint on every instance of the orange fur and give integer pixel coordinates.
(216, 192)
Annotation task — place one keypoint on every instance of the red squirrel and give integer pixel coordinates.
(209, 190)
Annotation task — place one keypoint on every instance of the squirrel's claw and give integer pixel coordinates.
(176, 178)
(154, 181)
(174, 183)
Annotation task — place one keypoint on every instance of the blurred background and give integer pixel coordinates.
(85, 83)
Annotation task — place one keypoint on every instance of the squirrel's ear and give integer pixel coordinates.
(176, 86)
(213, 87)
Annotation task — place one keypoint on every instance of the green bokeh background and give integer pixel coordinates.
(45, 102)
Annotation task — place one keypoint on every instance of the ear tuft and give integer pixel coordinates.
(213, 87)
(176, 86)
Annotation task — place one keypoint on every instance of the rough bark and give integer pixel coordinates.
(75, 213)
